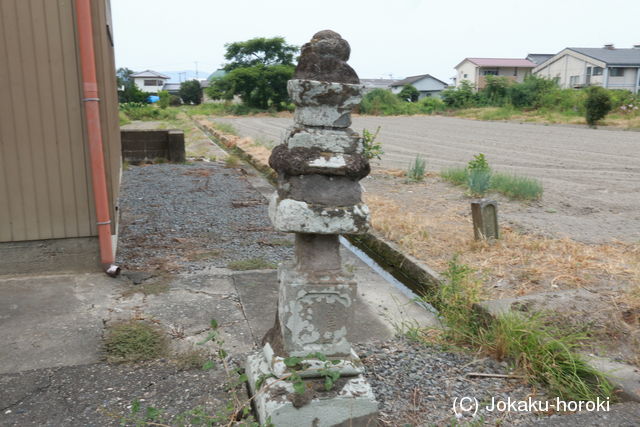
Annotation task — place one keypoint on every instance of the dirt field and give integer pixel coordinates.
(591, 177)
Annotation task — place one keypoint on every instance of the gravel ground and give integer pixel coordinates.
(416, 384)
(207, 214)
(182, 218)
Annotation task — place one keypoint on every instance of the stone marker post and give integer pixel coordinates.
(485, 219)
(318, 197)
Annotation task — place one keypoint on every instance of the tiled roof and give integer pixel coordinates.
(150, 73)
(502, 62)
(413, 79)
(611, 56)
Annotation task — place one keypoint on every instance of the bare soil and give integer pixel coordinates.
(591, 177)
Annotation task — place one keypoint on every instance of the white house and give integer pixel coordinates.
(475, 70)
(426, 84)
(149, 81)
(607, 66)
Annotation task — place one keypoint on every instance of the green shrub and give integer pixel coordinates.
(140, 111)
(372, 148)
(430, 105)
(464, 96)
(597, 105)
(409, 93)
(416, 170)
(163, 103)
(191, 92)
(380, 102)
(175, 101)
(496, 90)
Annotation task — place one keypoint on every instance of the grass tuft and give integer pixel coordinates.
(231, 161)
(251, 264)
(513, 186)
(545, 354)
(225, 128)
(416, 170)
(134, 341)
(516, 187)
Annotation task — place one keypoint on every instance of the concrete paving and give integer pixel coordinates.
(51, 362)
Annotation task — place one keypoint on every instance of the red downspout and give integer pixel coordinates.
(94, 133)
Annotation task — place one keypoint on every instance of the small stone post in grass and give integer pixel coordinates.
(485, 219)
(318, 197)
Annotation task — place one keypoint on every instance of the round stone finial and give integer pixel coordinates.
(324, 59)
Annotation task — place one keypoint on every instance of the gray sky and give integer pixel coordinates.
(400, 37)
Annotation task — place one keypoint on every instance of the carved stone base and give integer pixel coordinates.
(314, 311)
(350, 403)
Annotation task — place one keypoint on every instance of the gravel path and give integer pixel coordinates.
(188, 217)
(591, 177)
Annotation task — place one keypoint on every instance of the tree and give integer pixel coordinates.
(258, 72)
(191, 92)
(259, 51)
(597, 105)
(409, 93)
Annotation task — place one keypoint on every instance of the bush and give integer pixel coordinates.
(164, 99)
(175, 101)
(597, 104)
(380, 102)
(191, 92)
(140, 111)
(460, 97)
(431, 105)
(409, 93)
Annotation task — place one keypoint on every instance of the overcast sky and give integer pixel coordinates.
(398, 38)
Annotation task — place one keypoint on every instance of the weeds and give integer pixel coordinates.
(231, 161)
(478, 178)
(225, 128)
(516, 187)
(134, 341)
(546, 354)
(372, 148)
(416, 170)
(251, 264)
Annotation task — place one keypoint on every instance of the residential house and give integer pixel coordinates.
(427, 85)
(607, 66)
(49, 189)
(475, 70)
(149, 81)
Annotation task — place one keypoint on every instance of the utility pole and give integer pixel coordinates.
(197, 76)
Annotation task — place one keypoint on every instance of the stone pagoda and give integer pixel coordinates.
(318, 197)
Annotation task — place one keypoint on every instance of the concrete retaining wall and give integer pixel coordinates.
(141, 145)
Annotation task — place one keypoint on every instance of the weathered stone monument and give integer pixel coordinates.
(318, 197)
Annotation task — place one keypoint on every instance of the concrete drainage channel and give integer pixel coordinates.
(413, 278)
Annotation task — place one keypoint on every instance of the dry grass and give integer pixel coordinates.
(518, 263)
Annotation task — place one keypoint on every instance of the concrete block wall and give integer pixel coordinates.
(145, 145)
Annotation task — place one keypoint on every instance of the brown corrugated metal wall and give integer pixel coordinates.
(45, 182)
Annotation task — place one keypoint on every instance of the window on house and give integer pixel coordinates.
(151, 83)
(597, 71)
(588, 71)
(515, 72)
(574, 80)
(466, 75)
(616, 72)
(490, 72)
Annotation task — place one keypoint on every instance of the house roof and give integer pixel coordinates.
(150, 73)
(413, 79)
(539, 58)
(629, 56)
(500, 62)
(377, 83)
